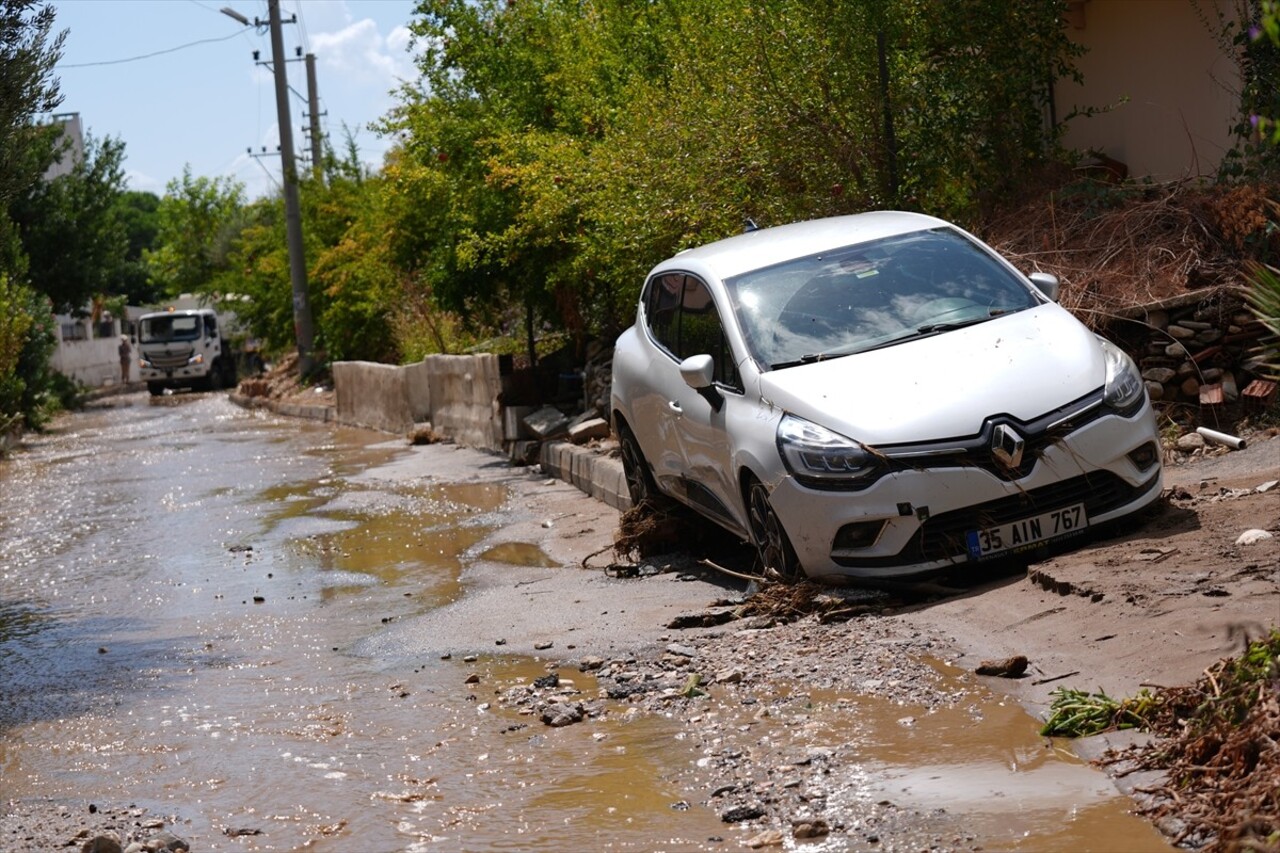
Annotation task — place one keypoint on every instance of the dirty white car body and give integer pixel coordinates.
(876, 395)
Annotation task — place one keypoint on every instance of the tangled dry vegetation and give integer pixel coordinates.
(1219, 749)
(1118, 246)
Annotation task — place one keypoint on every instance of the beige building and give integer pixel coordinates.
(1179, 84)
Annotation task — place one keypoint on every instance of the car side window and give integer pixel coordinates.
(683, 318)
(701, 331)
(664, 308)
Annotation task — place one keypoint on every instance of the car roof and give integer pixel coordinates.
(767, 246)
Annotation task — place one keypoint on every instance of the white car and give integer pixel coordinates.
(877, 395)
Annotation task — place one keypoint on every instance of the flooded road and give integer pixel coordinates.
(187, 595)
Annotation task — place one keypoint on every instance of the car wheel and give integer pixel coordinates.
(155, 389)
(640, 484)
(777, 558)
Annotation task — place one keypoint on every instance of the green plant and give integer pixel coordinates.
(1076, 713)
(1263, 296)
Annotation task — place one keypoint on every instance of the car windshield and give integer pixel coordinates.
(870, 295)
(169, 327)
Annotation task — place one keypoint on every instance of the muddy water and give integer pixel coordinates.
(181, 587)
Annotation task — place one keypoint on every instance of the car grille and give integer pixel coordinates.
(169, 360)
(942, 536)
(976, 451)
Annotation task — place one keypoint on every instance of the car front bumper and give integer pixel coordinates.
(919, 520)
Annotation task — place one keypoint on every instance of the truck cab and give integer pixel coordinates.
(184, 348)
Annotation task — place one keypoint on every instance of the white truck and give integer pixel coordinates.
(184, 348)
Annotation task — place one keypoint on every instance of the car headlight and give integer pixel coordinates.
(198, 358)
(818, 457)
(1124, 390)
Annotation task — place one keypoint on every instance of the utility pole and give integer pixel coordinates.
(302, 328)
(313, 102)
(292, 209)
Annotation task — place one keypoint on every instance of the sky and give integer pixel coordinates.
(199, 99)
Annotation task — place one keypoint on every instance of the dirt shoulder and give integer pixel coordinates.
(1156, 606)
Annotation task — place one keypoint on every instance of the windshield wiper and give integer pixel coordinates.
(973, 321)
(810, 358)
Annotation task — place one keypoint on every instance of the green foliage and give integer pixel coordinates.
(27, 339)
(1076, 713)
(1253, 37)
(556, 148)
(139, 215)
(71, 230)
(1263, 297)
(198, 220)
(28, 54)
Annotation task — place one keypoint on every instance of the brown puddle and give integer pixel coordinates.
(980, 771)
(518, 554)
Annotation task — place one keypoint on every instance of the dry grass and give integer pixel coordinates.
(1115, 247)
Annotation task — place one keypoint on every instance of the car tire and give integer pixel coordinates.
(778, 560)
(641, 486)
(155, 389)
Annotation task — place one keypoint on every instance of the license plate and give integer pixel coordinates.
(1026, 532)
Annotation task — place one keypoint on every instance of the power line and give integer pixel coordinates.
(150, 55)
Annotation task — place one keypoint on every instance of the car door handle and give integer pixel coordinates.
(674, 406)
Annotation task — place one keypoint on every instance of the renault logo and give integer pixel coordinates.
(1007, 446)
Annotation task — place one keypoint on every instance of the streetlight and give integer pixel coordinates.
(292, 209)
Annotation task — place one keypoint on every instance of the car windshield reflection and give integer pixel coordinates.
(871, 295)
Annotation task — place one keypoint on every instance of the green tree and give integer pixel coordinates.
(28, 54)
(139, 213)
(27, 340)
(199, 218)
(71, 230)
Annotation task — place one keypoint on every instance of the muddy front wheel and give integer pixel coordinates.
(777, 558)
(640, 483)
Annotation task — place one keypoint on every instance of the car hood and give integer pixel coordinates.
(1024, 365)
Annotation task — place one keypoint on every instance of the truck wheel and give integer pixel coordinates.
(155, 389)
(213, 382)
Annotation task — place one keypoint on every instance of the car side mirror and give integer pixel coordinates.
(698, 372)
(1046, 283)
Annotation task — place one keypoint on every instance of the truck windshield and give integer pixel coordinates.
(169, 327)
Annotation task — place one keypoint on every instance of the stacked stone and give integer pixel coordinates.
(1199, 353)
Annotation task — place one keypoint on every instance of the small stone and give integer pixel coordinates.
(737, 814)
(470, 658)
(1190, 442)
(542, 646)
(729, 676)
(1181, 333)
(1267, 486)
(472, 679)
(106, 843)
(1253, 537)
(1159, 374)
(562, 714)
(499, 642)
(810, 828)
(768, 838)
(1012, 667)
(590, 663)
(682, 650)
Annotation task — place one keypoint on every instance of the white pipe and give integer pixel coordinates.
(1234, 442)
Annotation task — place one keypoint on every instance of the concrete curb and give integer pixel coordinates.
(596, 474)
(291, 410)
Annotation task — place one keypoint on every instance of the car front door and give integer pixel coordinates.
(700, 418)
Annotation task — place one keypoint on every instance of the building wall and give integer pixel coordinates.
(73, 135)
(1182, 89)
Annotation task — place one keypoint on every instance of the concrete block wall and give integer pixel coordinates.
(464, 399)
(457, 394)
(372, 395)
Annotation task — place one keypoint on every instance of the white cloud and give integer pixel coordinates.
(358, 49)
